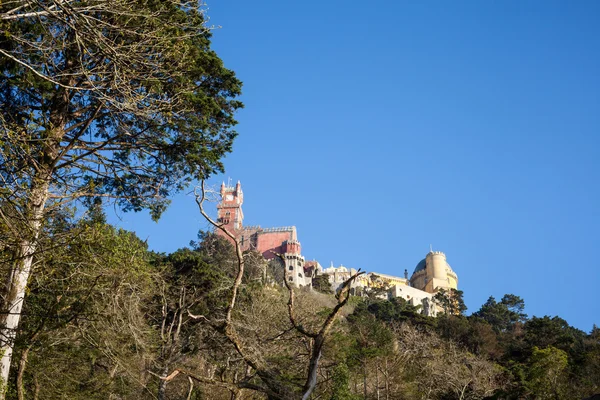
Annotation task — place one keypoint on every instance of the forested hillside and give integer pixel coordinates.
(106, 318)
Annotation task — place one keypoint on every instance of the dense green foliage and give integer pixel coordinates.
(321, 284)
(112, 98)
(106, 100)
(108, 319)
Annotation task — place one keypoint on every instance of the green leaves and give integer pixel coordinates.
(450, 301)
(84, 313)
(341, 383)
(547, 373)
(504, 315)
(321, 284)
(128, 95)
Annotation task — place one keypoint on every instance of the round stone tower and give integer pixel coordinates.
(294, 264)
(433, 273)
(436, 265)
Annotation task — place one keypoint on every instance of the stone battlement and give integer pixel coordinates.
(279, 229)
(441, 253)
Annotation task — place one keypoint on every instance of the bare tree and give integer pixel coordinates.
(271, 382)
(440, 367)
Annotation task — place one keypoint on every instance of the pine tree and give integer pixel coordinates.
(112, 99)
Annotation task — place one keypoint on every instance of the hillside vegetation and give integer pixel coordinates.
(107, 319)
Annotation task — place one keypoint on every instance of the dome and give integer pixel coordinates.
(420, 266)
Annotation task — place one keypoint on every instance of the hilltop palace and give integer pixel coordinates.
(431, 274)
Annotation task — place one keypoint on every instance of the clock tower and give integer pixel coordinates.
(230, 208)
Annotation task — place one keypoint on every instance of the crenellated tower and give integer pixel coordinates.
(292, 247)
(229, 210)
(434, 273)
(294, 264)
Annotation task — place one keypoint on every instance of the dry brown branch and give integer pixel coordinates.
(200, 199)
(226, 326)
(319, 341)
(234, 387)
(318, 338)
(189, 396)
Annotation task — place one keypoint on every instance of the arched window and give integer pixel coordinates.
(291, 278)
(291, 267)
(299, 275)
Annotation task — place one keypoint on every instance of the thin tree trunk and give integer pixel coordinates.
(365, 379)
(377, 379)
(191, 391)
(312, 368)
(462, 392)
(17, 280)
(387, 381)
(22, 367)
(162, 384)
(36, 385)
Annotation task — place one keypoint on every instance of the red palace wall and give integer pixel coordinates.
(271, 241)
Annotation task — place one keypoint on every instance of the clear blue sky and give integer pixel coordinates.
(379, 128)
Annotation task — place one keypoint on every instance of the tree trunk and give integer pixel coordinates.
(21, 373)
(14, 291)
(162, 384)
(36, 385)
(387, 381)
(22, 365)
(34, 205)
(311, 382)
(377, 379)
(365, 379)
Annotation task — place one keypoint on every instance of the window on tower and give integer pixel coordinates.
(291, 267)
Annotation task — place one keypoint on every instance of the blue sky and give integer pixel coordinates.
(379, 128)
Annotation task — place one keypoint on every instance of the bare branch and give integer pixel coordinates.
(200, 199)
(35, 71)
(319, 341)
(317, 338)
(290, 304)
(227, 327)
